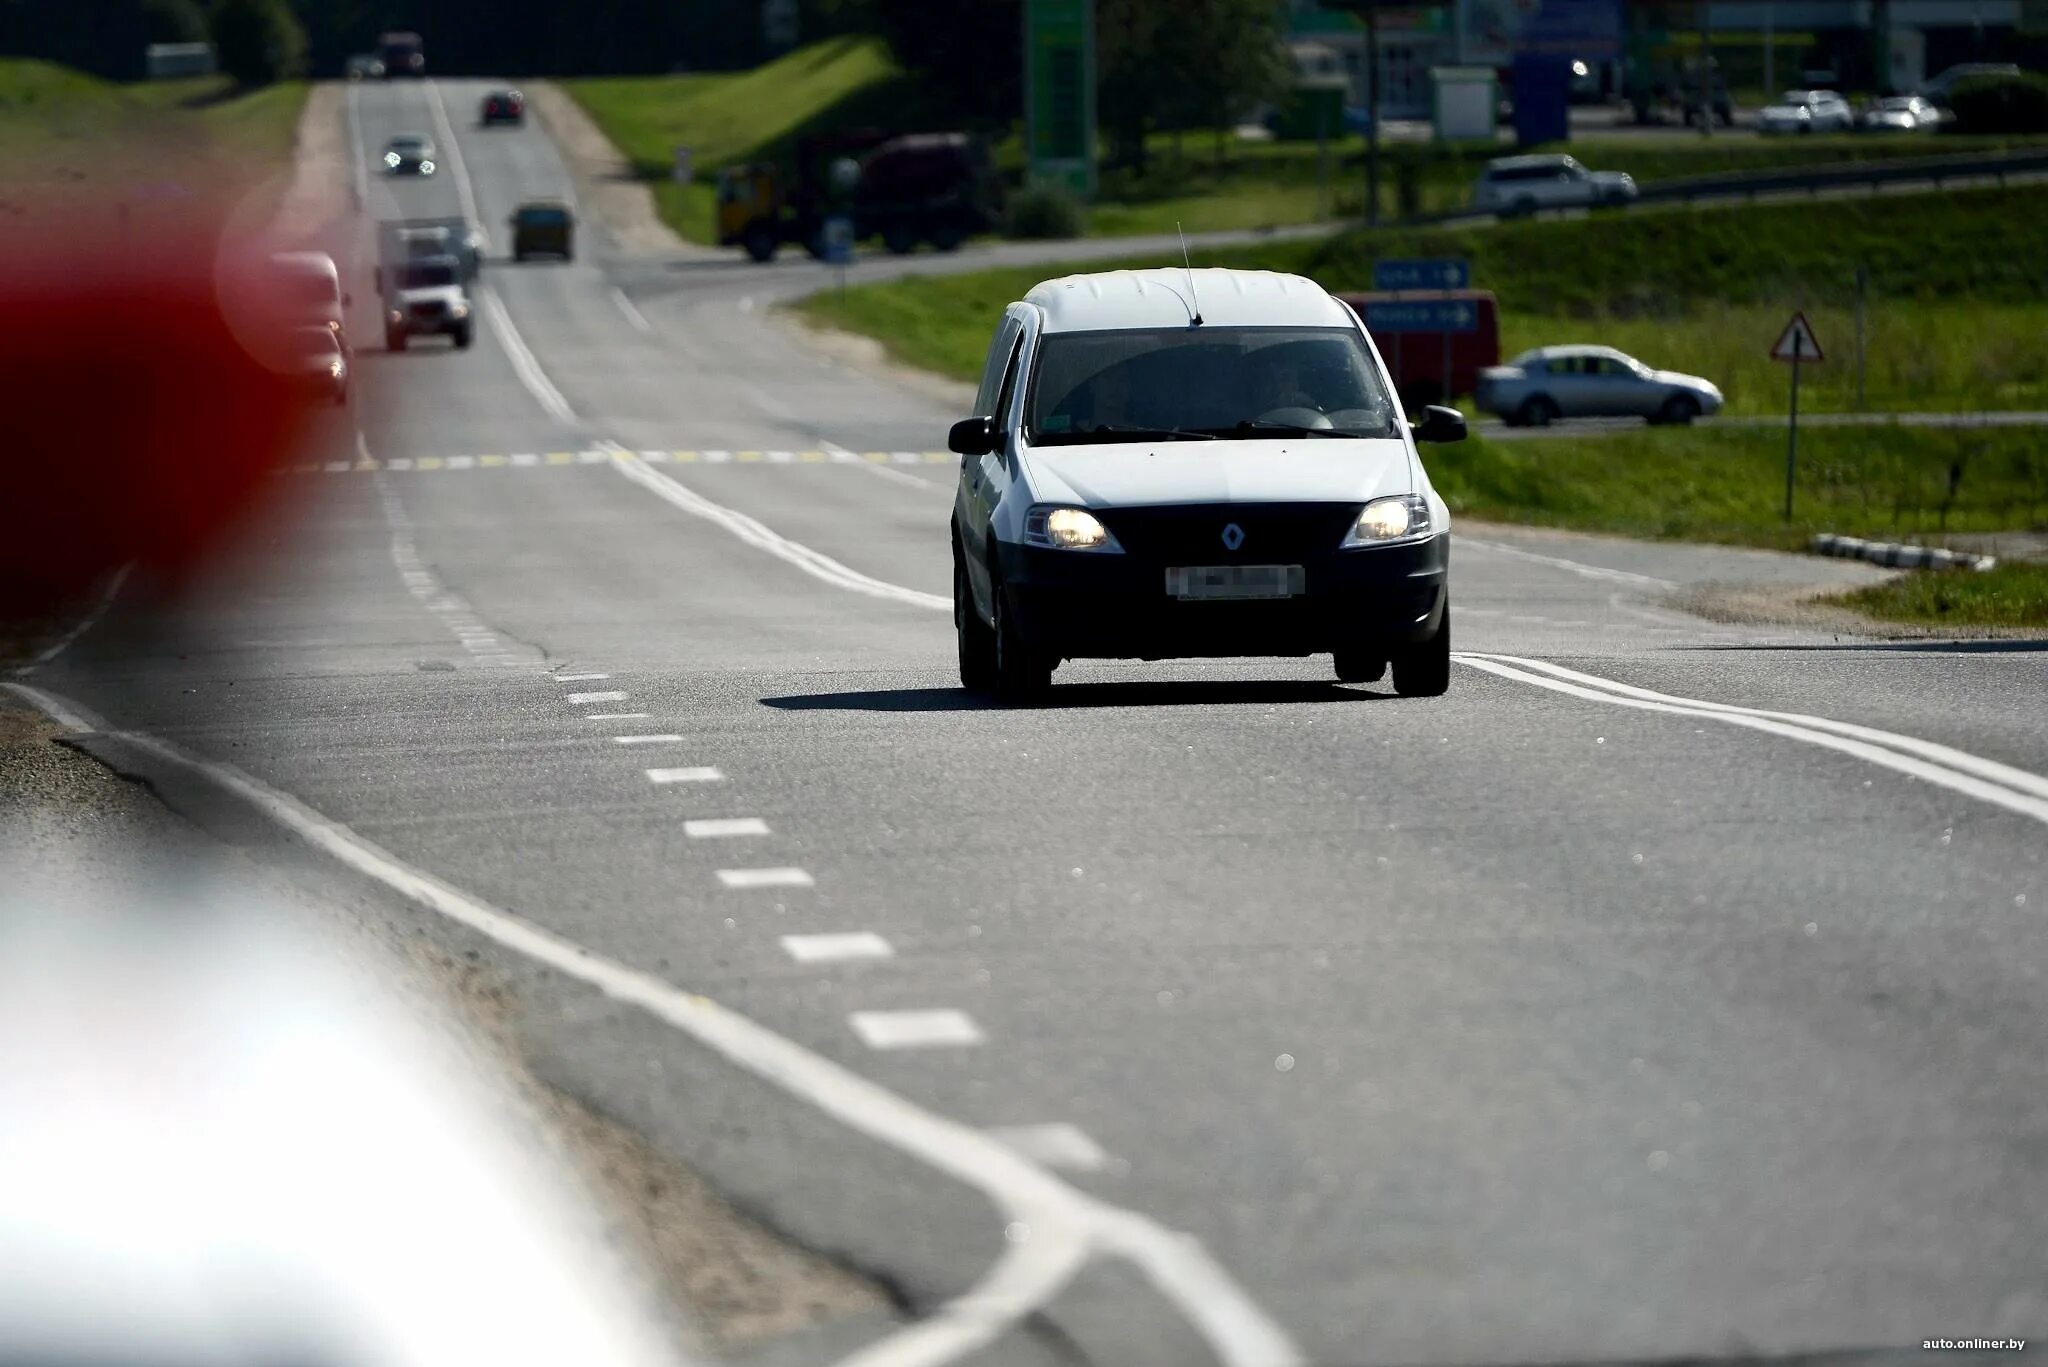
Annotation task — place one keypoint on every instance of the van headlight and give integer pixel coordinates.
(1069, 529)
(1404, 517)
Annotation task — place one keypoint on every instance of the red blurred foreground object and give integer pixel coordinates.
(146, 392)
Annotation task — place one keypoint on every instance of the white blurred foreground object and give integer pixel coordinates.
(220, 1143)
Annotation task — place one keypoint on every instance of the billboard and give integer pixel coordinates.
(1059, 93)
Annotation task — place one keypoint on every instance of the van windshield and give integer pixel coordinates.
(1206, 382)
(426, 275)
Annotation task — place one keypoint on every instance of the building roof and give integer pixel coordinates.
(1109, 300)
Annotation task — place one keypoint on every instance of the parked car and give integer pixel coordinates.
(543, 227)
(1937, 89)
(426, 298)
(1807, 111)
(1540, 386)
(1900, 114)
(1133, 487)
(409, 154)
(1522, 185)
(503, 106)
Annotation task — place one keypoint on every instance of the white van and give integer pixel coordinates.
(310, 289)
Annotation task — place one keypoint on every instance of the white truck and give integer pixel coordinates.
(426, 297)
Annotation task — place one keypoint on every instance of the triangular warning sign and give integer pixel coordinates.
(1797, 342)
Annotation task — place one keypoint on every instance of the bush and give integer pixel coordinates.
(1046, 211)
(258, 41)
(2001, 104)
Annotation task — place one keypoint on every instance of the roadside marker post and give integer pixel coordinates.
(1795, 345)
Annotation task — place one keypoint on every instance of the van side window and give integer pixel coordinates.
(994, 370)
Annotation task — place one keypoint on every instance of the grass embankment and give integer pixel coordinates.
(62, 125)
(1957, 313)
(2013, 595)
(731, 118)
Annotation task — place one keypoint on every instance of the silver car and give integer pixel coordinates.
(1540, 386)
(1807, 111)
(1900, 114)
(1522, 185)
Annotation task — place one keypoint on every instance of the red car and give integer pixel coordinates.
(503, 106)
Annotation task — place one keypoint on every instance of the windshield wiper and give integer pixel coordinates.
(1119, 429)
(1291, 429)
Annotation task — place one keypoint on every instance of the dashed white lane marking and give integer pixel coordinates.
(920, 1029)
(579, 678)
(1055, 1144)
(616, 716)
(702, 773)
(609, 695)
(836, 947)
(2002, 785)
(1067, 1226)
(660, 738)
(633, 314)
(724, 827)
(764, 878)
(1588, 571)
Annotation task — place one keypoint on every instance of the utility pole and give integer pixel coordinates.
(1706, 10)
(1372, 115)
(1770, 52)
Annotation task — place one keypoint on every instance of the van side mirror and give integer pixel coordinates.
(1439, 424)
(974, 437)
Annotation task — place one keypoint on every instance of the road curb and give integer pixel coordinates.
(1897, 555)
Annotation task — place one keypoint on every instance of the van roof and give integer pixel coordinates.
(1112, 300)
(306, 263)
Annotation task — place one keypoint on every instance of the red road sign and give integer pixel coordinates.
(1797, 342)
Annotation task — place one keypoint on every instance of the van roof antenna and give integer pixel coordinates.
(1195, 319)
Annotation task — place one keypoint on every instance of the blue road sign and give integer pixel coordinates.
(838, 240)
(1422, 315)
(1441, 273)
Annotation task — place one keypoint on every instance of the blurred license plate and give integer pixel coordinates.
(1235, 581)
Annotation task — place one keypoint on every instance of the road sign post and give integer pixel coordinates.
(1059, 94)
(1796, 344)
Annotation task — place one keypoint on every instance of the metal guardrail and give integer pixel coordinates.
(1751, 184)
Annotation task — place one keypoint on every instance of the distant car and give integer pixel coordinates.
(320, 362)
(1540, 386)
(426, 298)
(1807, 111)
(363, 67)
(1938, 88)
(409, 154)
(543, 227)
(1522, 185)
(503, 106)
(1900, 114)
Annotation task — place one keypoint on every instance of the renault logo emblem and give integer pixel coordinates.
(1233, 536)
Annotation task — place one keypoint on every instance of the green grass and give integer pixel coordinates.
(2013, 595)
(55, 121)
(738, 117)
(1957, 315)
(1727, 484)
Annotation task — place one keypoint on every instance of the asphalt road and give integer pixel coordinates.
(1542, 1021)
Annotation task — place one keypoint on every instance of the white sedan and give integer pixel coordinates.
(1538, 387)
(1901, 114)
(1807, 111)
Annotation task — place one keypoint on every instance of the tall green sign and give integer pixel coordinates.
(1059, 93)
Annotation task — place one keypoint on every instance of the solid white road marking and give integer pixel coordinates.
(841, 456)
(722, 827)
(611, 695)
(919, 1029)
(814, 563)
(837, 947)
(524, 364)
(579, 678)
(1588, 571)
(667, 738)
(83, 625)
(1067, 1226)
(358, 152)
(702, 773)
(633, 314)
(764, 878)
(1055, 1144)
(463, 189)
(1987, 780)
(616, 716)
